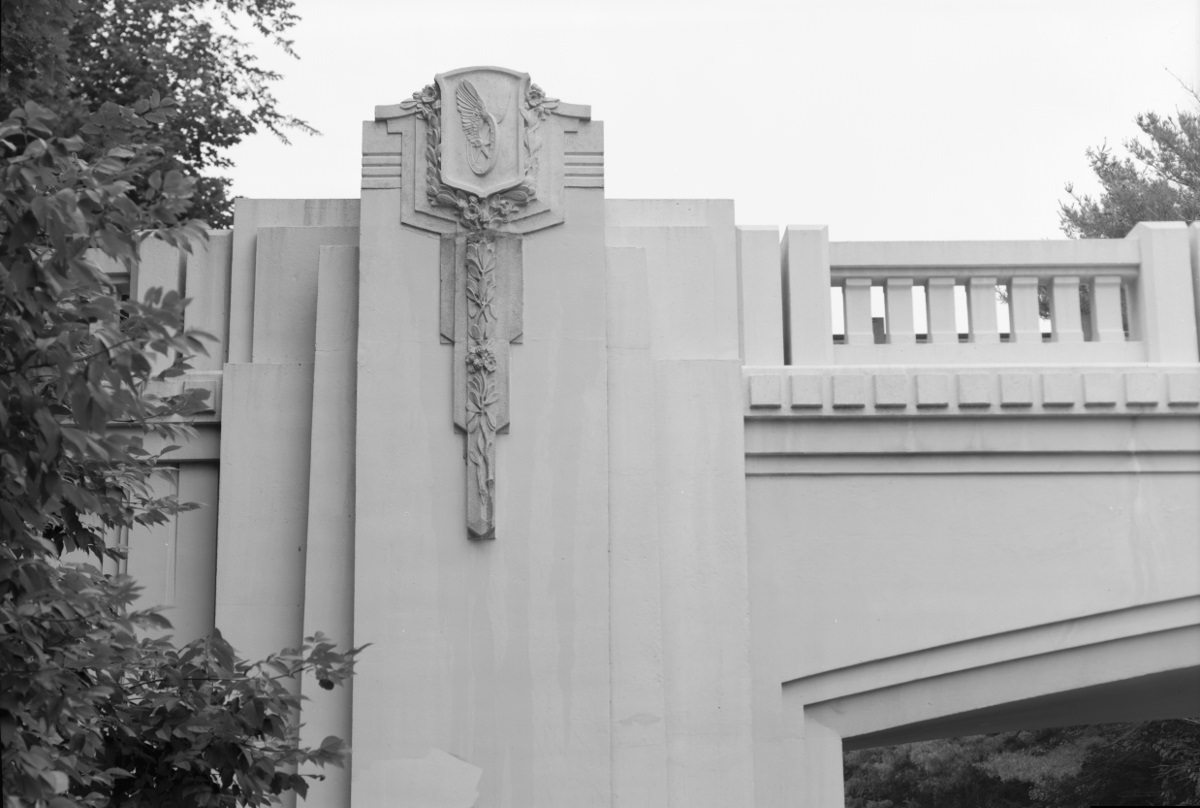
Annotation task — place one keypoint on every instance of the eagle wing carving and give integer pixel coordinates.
(479, 126)
(474, 116)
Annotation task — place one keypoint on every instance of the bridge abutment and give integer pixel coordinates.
(639, 507)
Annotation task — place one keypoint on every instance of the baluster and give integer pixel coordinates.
(856, 302)
(1064, 309)
(1023, 308)
(898, 305)
(939, 308)
(1106, 309)
(981, 308)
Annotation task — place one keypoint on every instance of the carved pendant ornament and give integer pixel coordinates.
(482, 162)
(482, 395)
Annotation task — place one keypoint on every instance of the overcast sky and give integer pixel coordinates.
(959, 119)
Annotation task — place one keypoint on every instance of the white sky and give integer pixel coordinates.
(958, 119)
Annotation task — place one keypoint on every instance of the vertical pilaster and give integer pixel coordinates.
(1165, 300)
(819, 777)
(249, 215)
(329, 570)
(267, 402)
(640, 752)
(196, 555)
(760, 296)
(490, 660)
(153, 549)
(206, 282)
(408, 559)
(684, 448)
(1194, 255)
(808, 320)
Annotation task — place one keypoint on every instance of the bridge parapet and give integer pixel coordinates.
(1046, 327)
(964, 474)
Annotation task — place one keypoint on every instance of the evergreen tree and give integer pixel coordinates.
(1158, 180)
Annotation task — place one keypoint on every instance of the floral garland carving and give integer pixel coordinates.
(485, 380)
(537, 108)
(482, 394)
(473, 212)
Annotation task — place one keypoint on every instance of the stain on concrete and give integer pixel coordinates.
(438, 780)
(641, 719)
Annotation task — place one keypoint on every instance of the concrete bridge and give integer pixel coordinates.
(642, 508)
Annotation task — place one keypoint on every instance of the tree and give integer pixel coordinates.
(1158, 180)
(929, 774)
(1148, 763)
(72, 56)
(97, 706)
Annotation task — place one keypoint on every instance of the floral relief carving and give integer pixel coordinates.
(482, 393)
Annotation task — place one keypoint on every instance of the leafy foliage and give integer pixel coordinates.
(1151, 763)
(930, 773)
(74, 56)
(97, 706)
(96, 712)
(75, 355)
(1159, 180)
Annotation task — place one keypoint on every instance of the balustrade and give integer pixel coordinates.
(1033, 302)
(1036, 327)
(983, 294)
(1082, 306)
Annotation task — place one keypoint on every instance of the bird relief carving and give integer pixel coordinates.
(480, 126)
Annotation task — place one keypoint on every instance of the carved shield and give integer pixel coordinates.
(482, 129)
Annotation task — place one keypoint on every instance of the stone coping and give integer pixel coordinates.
(791, 392)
